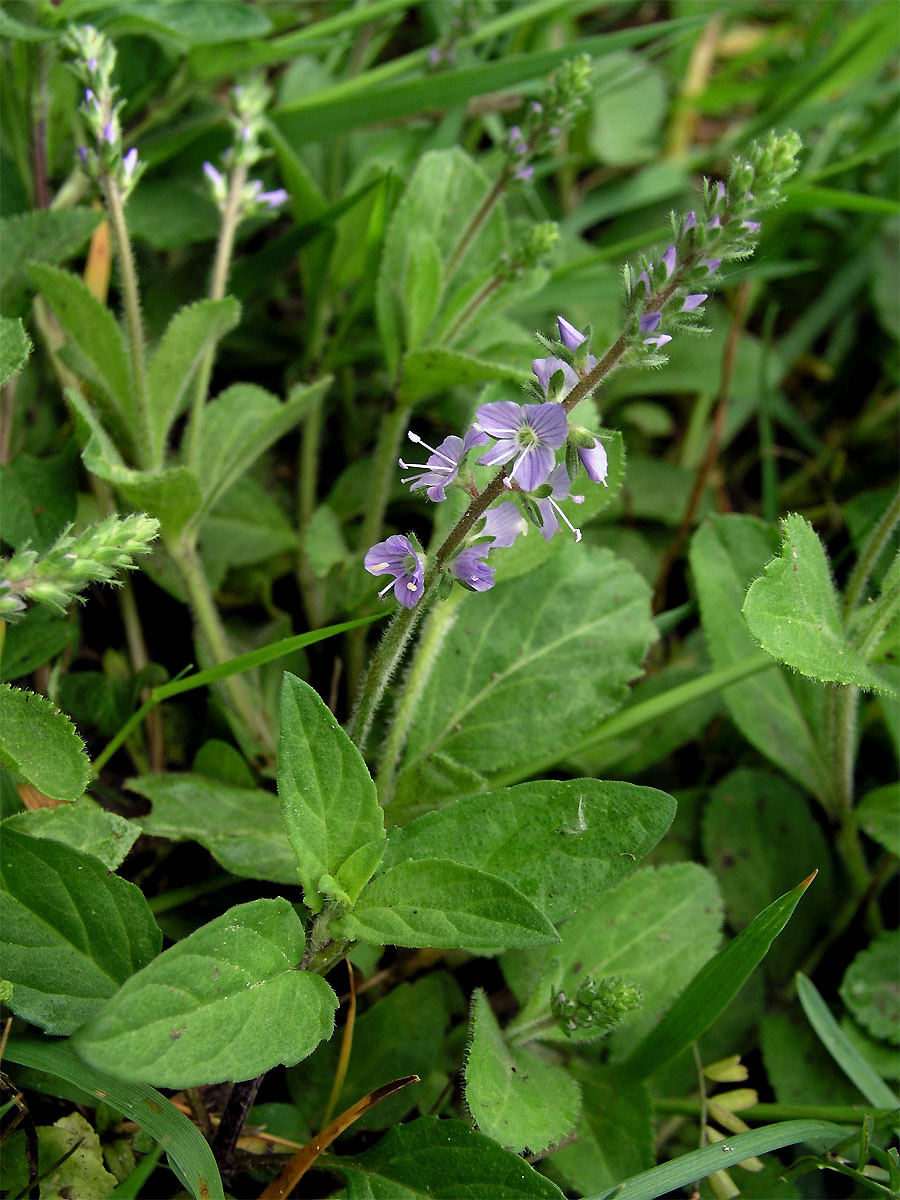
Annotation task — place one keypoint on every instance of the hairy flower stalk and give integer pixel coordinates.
(664, 295)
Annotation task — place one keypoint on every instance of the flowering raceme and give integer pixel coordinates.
(663, 298)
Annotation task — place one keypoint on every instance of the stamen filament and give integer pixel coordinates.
(414, 437)
(577, 532)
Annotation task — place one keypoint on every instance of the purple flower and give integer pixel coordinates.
(595, 462)
(129, 162)
(92, 63)
(570, 337)
(715, 223)
(691, 303)
(643, 278)
(690, 221)
(546, 368)
(108, 135)
(434, 56)
(712, 264)
(517, 141)
(502, 525)
(272, 200)
(529, 433)
(524, 173)
(649, 321)
(536, 106)
(443, 463)
(397, 556)
(214, 176)
(548, 506)
(751, 226)
(83, 155)
(661, 340)
(471, 571)
(669, 259)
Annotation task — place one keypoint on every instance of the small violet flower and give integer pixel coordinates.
(502, 525)
(272, 200)
(471, 571)
(649, 321)
(443, 463)
(530, 433)
(692, 303)
(548, 506)
(669, 260)
(595, 461)
(570, 337)
(398, 557)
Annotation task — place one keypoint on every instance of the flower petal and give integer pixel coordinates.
(570, 337)
(546, 368)
(503, 523)
(501, 419)
(500, 452)
(548, 422)
(533, 466)
(389, 557)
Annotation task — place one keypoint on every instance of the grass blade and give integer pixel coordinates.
(699, 1163)
(844, 1053)
(181, 1140)
(713, 987)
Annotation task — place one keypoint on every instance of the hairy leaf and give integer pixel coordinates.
(41, 744)
(72, 932)
(227, 1002)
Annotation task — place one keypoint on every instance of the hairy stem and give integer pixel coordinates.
(218, 282)
(481, 297)
(878, 539)
(132, 304)
(436, 629)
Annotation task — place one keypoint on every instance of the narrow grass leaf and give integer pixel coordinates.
(713, 988)
(182, 1140)
(719, 1157)
(841, 1049)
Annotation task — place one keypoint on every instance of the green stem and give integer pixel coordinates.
(480, 298)
(879, 614)
(436, 629)
(869, 555)
(520, 1035)
(221, 265)
(209, 623)
(385, 662)
(481, 214)
(132, 303)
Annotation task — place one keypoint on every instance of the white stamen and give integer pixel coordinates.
(380, 566)
(387, 587)
(414, 437)
(577, 532)
(423, 467)
(412, 587)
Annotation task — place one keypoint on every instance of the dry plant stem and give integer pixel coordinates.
(198, 1112)
(132, 304)
(218, 283)
(233, 1120)
(712, 449)
(205, 613)
(343, 1062)
(686, 114)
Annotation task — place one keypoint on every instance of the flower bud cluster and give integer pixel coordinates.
(597, 1007)
(103, 157)
(247, 119)
(534, 246)
(668, 294)
(72, 562)
(565, 95)
(526, 440)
